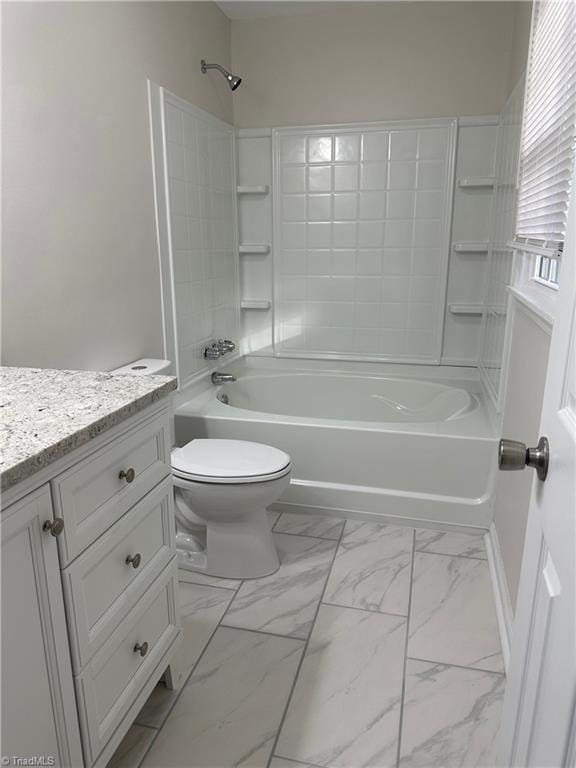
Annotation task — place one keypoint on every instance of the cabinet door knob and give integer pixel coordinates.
(128, 475)
(141, 649)
(55, 526)
(135, 560)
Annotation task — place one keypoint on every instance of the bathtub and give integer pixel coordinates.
(373, 445)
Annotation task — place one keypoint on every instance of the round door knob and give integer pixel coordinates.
(135, 560)
(513, 455)
(141, 649)
(128, 475)
(55, 527)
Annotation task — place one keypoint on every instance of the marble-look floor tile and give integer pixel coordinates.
(345, 709)
(372, 568)
(321, 526)
(452, 614)
(230, 710)
(450, 543)
(132, 748)
(281, 762)
(285, 602)
(195, 577)
(451, 716)
(201, 609)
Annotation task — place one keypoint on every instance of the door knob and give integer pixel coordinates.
(513, 455)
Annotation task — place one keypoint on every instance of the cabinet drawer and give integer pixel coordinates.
(108, 685)
(101, 587)
(92, 495)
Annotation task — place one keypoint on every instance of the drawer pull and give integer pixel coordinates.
(134, 561)
(55, 526)
(141, 649)
(128, 475)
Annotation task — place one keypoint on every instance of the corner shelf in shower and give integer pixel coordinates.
(255, 248)
(477, 247)
(466, 309)
(255, 304)
(477, 182)
(257, 189)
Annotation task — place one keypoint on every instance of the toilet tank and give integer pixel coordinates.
(146, 366)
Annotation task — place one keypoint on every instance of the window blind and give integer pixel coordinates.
(548, 132)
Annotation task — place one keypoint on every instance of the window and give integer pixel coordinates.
(548, 137)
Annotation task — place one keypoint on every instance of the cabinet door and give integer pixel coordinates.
(39, 716)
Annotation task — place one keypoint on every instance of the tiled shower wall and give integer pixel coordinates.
(199, 160)
(500, 257)
(362, 219)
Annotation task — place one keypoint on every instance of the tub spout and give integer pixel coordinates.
(220, 378)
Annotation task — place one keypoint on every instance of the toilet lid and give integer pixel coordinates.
(228, 461)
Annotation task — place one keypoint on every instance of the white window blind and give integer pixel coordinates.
(548, 131)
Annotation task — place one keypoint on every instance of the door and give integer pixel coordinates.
(39, 718)
(538, 717)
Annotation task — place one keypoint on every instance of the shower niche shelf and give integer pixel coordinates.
(261, 304)
(466, 309)
(254, 248)
(471, 247)
(255, 189)
(477, 182)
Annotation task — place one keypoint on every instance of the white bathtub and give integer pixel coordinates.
(391, 446)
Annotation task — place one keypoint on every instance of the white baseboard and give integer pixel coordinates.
(504, 612)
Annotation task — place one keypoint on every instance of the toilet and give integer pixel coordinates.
(222, 489)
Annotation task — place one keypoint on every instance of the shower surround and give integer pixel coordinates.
(356, 283)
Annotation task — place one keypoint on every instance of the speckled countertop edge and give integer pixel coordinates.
(28, 466)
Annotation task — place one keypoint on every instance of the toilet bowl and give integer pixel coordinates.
(222, 490)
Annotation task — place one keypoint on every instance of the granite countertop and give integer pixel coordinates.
(45, 414)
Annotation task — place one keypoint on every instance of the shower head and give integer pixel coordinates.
(233, 80)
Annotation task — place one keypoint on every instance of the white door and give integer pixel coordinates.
(538, 719)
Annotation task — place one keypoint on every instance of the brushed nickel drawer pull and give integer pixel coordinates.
(128, 475)
(135, 560)
(141, 649)
(55, 526)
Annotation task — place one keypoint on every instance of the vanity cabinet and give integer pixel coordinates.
(89, 594)
(38, 704)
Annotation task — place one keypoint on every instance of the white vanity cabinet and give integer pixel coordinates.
(90, 616)
(38, 704)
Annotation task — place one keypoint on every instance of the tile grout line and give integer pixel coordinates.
(185, 683)
(304, 650)
(457, 666)
(445, 554)
(366, 610)
(229, 590)
(264, 632)
(306, 535)
(404, 660)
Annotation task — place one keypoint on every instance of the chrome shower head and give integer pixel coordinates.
(233, 80)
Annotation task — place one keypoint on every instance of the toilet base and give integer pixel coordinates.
(235, 550)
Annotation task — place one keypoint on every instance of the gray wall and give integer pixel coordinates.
(80, 266)
(373, 61)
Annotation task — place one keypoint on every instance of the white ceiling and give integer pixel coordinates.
(257, 9)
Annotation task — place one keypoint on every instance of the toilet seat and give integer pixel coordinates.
(228, 461)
